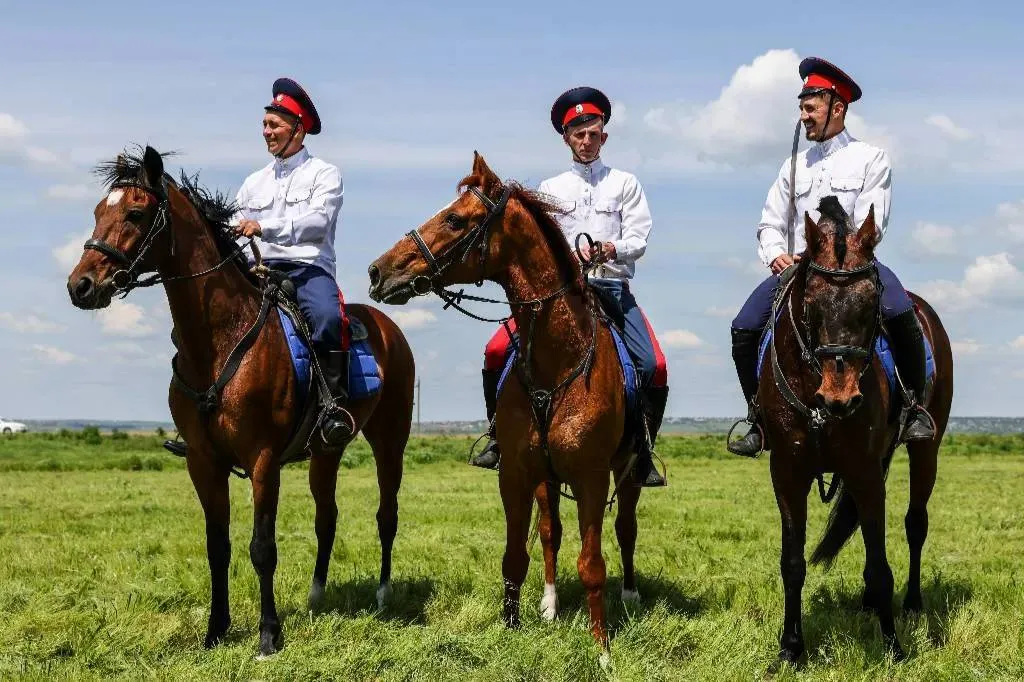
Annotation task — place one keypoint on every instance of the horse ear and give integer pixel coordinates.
(811, 233)
(484, 172)
(868, 233)
(153, 165)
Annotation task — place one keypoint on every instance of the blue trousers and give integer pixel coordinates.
(637, 337)
(755, 312)
(317, 293)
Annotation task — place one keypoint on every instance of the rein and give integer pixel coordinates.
(818, 417)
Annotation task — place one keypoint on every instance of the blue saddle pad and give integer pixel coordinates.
(363, 377)
(626, 362)
(882, 349)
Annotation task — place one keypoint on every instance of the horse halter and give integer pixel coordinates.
(127, 278)
(424, 284)
(841, 352)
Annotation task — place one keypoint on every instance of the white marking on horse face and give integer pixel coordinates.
(114, 198)
(384, 593)
(549, 602)
(630, 596)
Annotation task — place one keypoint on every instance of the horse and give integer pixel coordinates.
(563, 417)
(825, 325)
(251, 419)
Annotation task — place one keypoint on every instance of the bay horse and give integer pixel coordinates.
(827, 407)
(562, 418)
(148, 223)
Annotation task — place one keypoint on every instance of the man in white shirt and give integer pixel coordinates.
(610, 206)
(291, 207)
(859, 176)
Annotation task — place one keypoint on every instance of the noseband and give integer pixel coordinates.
(127, 278)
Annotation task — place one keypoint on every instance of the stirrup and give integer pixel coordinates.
(910, 413)
(337, 418)
(752, 421)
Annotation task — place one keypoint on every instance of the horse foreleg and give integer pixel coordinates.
(591, 496)
(549, 526)
(791, 496)
(923, 465)
(517, 499)
(266, 487)
(323, 480)
(625, 531)
(211, 484)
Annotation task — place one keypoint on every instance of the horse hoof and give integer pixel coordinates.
(898, 654)
(215, 633)
(912, 605)
(270, 643)
(630, 596)
(316, 596)
(549, 603)
(384, 593)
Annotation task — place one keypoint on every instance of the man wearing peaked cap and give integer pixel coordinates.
(609, 205)
(859, 176)
(291, 207)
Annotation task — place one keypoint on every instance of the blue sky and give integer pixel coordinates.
(704, 106)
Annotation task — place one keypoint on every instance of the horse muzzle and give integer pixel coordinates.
(88, 294)
(837, 407)
(396, 288)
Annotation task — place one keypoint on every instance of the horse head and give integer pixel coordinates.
(131, 220)
(842, 298)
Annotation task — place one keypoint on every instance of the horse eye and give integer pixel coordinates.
(135, 215)
(454, 221)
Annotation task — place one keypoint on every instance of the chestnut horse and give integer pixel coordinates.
(562, 417)
(149, 223)
(826, 323)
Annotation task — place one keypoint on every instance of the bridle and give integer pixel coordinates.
(127, 277)
(841, 352)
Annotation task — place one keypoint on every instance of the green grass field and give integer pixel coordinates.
(103, 574)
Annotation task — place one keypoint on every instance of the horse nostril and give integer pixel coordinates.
(83, 288)
(855, 402)
(374, 273)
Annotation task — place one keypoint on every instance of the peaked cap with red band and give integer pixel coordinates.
(579, 105)
(822, 76)
(291, 99)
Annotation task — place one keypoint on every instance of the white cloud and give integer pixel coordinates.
(934, 240)
(966, 347)
(29, 324)
(69, 253)
(413, 319)
(1017, 343)
(748, 123)
(990, 279)
(945, 124)
(124, 319)
(54, 356)
(680, 338)
(15, 146)
(722, 311)
(69, 192)
(1010, 218)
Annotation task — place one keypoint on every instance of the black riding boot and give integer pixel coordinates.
(489, 457)
(335, 429)
(654, 412)
(745, 344)
(908, 351)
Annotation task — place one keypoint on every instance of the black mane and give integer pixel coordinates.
(830, 208)
(215, 207)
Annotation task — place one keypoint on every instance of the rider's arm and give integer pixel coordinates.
(311, 225)
(636, 223)
(877, 191)
(772, 230)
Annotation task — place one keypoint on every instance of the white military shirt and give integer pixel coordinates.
(609, 205)
(296, 201)
(855, 172)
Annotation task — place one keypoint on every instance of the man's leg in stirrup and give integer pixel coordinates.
(495, 355)
(747, 329)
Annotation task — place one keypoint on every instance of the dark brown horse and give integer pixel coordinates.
(149, 223)
(827, 407)
(562, 417)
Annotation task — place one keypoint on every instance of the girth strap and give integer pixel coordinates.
(208, 400)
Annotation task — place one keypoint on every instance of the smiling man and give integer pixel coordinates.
(291, 207)
(859, 175)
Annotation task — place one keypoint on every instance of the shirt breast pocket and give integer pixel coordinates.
(846, 190)
(259, 204)
(608, 219)
(298, 197)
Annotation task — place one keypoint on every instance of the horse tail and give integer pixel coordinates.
(842, 522)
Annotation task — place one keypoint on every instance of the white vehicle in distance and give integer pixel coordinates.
(7, 426)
